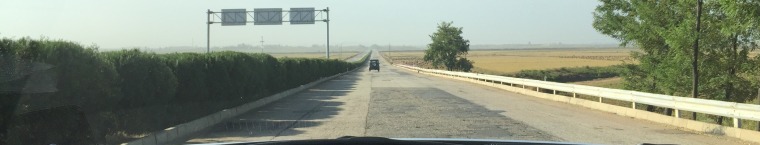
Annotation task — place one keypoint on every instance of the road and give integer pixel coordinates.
(398, 103)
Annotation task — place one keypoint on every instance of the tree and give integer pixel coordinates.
(658, 29)
(734, 38)
(665, 31)
(448, 48)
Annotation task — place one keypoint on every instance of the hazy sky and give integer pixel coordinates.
(162, 23)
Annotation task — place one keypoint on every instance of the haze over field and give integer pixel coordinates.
(358, 48)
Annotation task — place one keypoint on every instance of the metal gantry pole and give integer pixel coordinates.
(327, 11)
(208, 31)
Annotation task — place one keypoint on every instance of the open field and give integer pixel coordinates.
(510, 61)
(344, 55)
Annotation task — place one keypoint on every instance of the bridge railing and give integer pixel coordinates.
(733, 110)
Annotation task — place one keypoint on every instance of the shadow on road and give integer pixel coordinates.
(309, 108)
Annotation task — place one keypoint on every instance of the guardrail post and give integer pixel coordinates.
(677, 113)
(554, 92)
(737, 122)
(633, 105)
(574, 95)
(600, 99)
(537, 89)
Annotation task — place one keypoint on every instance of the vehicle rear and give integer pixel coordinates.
(374, 64)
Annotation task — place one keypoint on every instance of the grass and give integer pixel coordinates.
(614, 83)
(510, 61)
(512, 64)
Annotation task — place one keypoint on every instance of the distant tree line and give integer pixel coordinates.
(130, 92)
(668, 32)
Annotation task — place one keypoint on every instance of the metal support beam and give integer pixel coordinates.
(209, 22)
(327, 12)
(208, 31)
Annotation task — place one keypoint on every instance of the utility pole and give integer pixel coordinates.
(758, 99)
(262, 44)
(694, 70)
(389, 52)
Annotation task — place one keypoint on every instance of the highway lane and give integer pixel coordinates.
(398, 103)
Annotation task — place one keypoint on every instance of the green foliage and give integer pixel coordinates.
(146, 82)
(665, 32)
(448, 48)
(575, 74)
(70, 64)
(79, 78)
(135, 92)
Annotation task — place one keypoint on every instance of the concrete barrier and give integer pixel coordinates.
(518, 85)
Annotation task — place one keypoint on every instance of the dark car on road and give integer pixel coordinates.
(374, 64)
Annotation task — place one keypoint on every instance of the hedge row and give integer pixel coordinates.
(572, 74)
(130, 92)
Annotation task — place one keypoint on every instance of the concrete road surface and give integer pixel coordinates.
(399, 103)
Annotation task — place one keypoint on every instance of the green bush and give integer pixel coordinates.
(145, 82)
(135, 92)
(81, 78)
(575, 74)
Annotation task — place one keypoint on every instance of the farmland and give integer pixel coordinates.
(511, 61)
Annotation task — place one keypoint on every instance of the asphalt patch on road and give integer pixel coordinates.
(434, 113)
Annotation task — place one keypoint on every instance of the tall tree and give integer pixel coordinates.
(661, 30)
(448, 48)
(735, 36)
(666, 33)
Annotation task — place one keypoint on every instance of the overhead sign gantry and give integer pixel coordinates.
(267, 16)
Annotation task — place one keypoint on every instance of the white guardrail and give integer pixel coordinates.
(721, 108)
